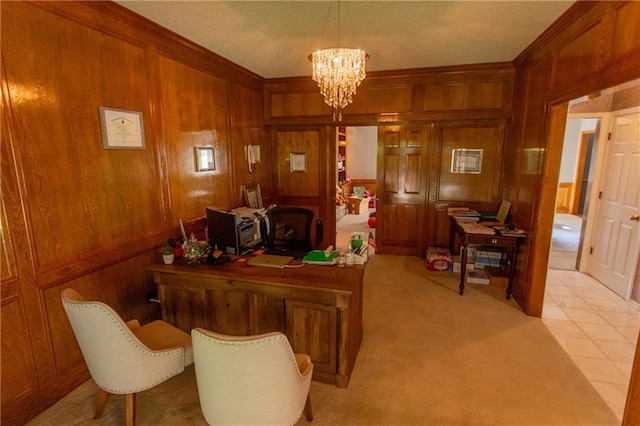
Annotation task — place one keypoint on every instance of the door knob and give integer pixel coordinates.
(635, 217)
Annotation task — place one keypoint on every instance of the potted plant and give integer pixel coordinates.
(167, 254)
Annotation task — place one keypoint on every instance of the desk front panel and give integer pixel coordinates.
(324, 322)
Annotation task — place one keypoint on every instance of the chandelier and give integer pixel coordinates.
(338, 72)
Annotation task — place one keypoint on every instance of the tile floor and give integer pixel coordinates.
(597, 328)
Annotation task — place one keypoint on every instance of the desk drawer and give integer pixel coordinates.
(491, 240)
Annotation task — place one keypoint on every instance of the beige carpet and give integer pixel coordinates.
(352, 223)
(429, 357)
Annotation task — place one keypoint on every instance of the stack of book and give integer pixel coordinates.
(464, 214)
(321, 257)
(510, 232)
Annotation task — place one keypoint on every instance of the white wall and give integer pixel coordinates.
(362, 147)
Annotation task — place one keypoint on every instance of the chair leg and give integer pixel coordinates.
(131, 409)
(101, 402)
(308, 412)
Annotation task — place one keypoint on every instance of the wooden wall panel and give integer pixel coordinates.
(18, 369)
(464, 95)
(626, 31)
(481, 188)
(476, 91)
(8, 267)
(315, 188)
(247, 129)
(296, 104)
(77, 215)
(123, 287)
(297, 184)
(530, 156)
(580, 55)
(195, 114)
(481, 191)
(378, 96)
(82, 197)
(19, 377)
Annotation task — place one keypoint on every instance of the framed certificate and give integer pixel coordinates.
(466, 161)
(298, 162)
(121, 129)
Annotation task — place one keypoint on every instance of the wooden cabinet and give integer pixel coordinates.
(319, 308)
(312, 329)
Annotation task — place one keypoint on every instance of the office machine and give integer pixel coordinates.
(229, 232)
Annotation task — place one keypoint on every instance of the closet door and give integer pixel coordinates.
(402, 189)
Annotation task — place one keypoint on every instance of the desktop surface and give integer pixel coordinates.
(269, 261)
(296, 254)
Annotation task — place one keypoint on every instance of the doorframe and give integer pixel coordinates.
(583, 149)
(591, 202)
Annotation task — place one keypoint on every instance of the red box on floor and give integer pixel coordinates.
(438, 259)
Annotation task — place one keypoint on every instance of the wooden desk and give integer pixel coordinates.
(509, 243)
(319, 308)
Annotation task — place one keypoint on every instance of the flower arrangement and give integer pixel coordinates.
(193, 253)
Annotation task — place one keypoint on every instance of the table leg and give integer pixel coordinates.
(452, 236)
(463, 266)
(512, 270)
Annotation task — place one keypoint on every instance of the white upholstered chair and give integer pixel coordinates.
(250, 380)
(125, 358)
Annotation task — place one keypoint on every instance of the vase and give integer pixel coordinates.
(167, 258)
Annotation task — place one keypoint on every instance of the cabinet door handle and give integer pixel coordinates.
(635, 217)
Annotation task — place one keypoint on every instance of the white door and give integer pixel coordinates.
(617, 229)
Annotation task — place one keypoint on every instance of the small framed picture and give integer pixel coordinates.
(466, 161)
(298, 162)
(121, 129)
(205, 158)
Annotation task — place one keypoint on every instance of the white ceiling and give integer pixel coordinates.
(274, 38)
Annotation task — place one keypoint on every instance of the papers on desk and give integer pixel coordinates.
(476, 228)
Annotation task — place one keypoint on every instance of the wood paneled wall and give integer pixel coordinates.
(74, 214)
(473, 92)
(481, 191)
(312, 188)
(77, 215)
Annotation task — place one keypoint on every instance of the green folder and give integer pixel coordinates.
(317, 257)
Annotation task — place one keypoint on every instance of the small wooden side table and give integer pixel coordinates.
(509, 243)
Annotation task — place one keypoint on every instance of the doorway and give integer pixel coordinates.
(576, 173)
(591, 122)
(356, 181)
